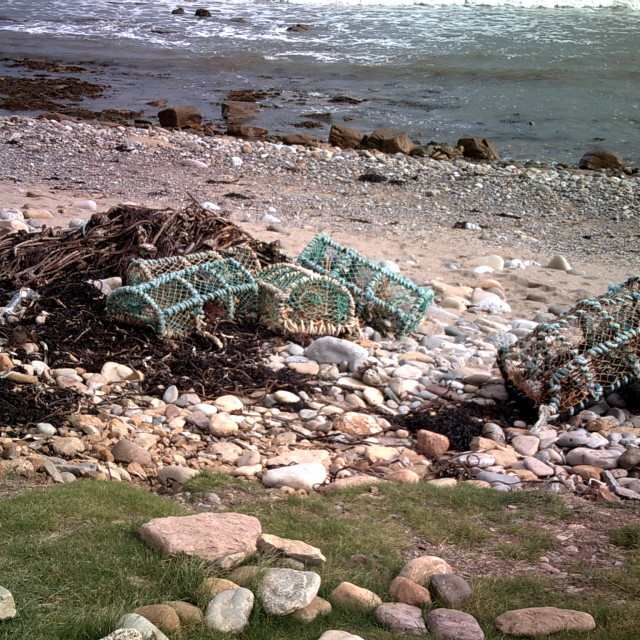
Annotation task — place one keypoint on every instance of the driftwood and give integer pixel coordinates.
(106, 244)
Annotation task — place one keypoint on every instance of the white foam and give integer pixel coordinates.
(633, 5)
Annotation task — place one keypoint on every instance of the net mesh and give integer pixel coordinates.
(140, 271)
(386, 301)
(179, 302)
(295, 300)
(590, 351)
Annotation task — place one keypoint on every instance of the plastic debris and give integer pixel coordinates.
(22, 294)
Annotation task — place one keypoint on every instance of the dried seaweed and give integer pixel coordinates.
(106, 243)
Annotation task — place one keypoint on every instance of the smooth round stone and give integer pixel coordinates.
(207, 409)
(228, 403)
(560, 263)
(373, 396)
(495, 262)
(7, 605)
(295, 349)
(305, 476)
(450, 589)
(604, 459)
(500, 338)
(171, 394)
(286, 397)
(46, 429)
(222, 426)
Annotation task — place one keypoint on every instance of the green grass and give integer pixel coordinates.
(72, 557)
(627, 537)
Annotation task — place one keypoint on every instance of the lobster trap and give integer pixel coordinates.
(386, 301)
(180, 302)
(140, 271)
(295, 300)
(590, 351)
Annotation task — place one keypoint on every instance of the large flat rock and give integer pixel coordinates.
(541, 621)
(210, 536)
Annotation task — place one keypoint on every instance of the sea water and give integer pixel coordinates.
(544, 79)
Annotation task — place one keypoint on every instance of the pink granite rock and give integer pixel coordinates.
(219, 538)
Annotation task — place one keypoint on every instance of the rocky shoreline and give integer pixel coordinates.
(483, 301)
(503, 246)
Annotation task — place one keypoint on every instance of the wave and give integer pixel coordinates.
(633, 5)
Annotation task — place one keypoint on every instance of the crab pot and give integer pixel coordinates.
(388, 302)
(140, 271)
(590, 351)
(292, 299)
(173, 304)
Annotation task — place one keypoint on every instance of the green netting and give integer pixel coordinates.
(388, 302)
(245, 256)
(296, 300)
(180, 302)
(145, 270)
(588, 352)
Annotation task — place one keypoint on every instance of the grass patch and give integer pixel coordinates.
(627, 537)
(207, 481)
(72, 557)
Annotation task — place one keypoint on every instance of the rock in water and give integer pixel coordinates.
(478, 148)
(237, 112)
(283, 591)
(541, 621)
(601, 159)
(180, 117)
(345, 137)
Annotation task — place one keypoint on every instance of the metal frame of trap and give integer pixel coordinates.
(296, 300)
(588, 352)
(385, 300)
(173, 303)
